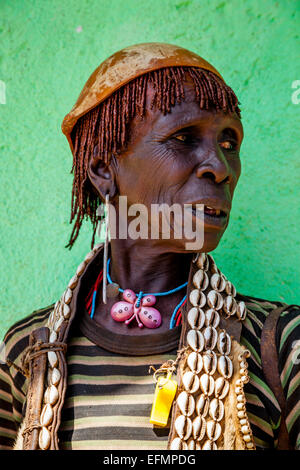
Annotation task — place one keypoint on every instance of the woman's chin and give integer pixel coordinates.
(211, 240)
(210, 243)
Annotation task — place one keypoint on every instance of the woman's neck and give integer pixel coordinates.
(146, 267)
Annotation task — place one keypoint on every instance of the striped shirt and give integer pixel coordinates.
(109, 395)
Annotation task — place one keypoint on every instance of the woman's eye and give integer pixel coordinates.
(227, 145)
(181, 137)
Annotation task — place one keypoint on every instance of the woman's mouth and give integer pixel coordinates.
(211, 216)
(211, 211)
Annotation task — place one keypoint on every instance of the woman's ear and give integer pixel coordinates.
(102, 176)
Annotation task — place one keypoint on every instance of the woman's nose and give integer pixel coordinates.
(215, 166)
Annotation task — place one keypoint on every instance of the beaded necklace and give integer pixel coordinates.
(136, 306)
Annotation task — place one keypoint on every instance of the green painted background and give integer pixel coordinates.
(48, 50)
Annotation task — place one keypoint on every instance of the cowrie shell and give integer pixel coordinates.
(230, 289)
(196, 318)
(195, 362)
(68, 296)
(52, 337)
(200, 279)
(210, 337)
(58, 324)
(199, 427)
(215, 300)
(66, 310)
(202, 405)
(57, 308)
(197, 298)
(190, 382)
(245, 379)
(247, 438)
(183, 426)
(195, 340)
(209, 362)
(51, 395)
(207, 384)
(52, 358)
(213, 430)
(212, 318)
(195, 257)
(209, 445)
(229, 305)
(46, 415)
(224, 342)
(202, 261)
(216, 409)
(186, 403)
(241, 310)
(55, 376)
(221, 388)
(211, 262)
(225, 366)
(217, 282)
(178, 444)
(89, 256)
(44, 439)
(73, 282)
(80, 268)
(97, 246)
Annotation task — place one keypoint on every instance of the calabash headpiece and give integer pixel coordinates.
(122, 67)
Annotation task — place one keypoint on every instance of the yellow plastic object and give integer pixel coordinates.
(163, 398)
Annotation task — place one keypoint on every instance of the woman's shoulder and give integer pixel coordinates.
(263, 307)
(287, 324)
(17, 337)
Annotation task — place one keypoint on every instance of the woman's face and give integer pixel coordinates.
(188, 156)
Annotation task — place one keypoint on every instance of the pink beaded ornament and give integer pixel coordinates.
(140, 309)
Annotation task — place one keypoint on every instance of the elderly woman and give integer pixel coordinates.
(154, 124)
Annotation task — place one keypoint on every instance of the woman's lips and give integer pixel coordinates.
(211, 217)
(213, 213)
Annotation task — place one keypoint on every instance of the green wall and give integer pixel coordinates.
(45, 58)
